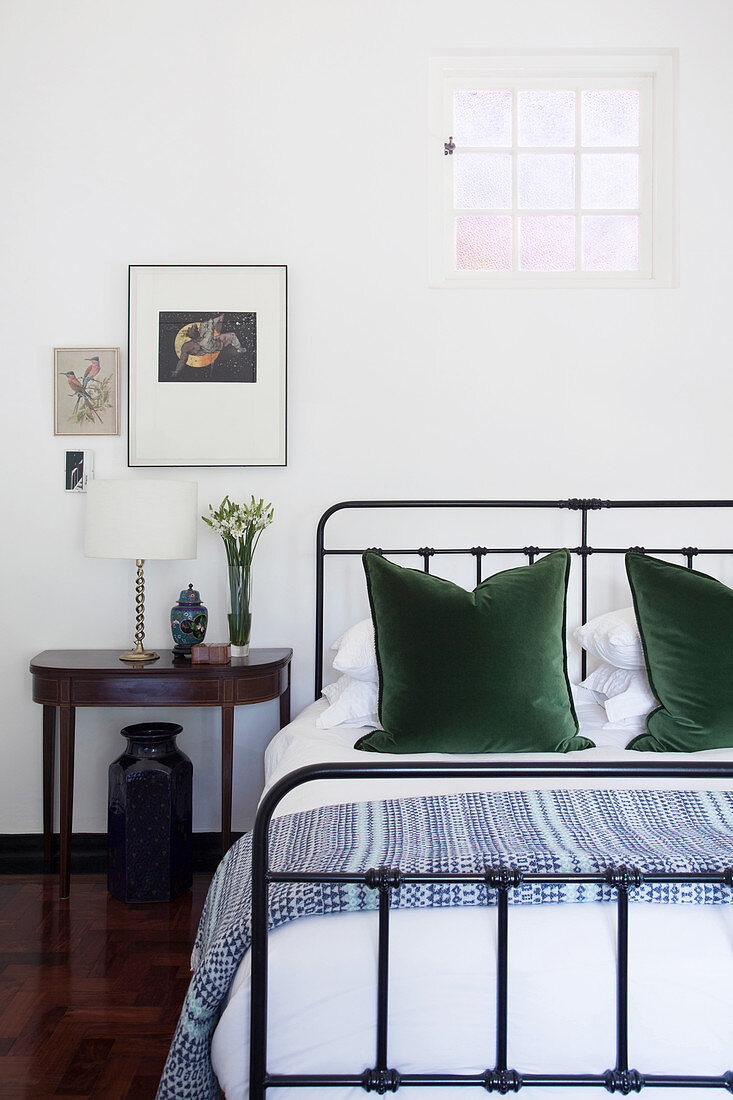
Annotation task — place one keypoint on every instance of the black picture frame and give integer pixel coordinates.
(217, 396)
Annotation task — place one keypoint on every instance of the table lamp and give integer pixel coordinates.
(141, 519)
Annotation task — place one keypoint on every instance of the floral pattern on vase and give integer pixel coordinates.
(189, 619)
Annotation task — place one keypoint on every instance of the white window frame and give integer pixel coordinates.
(653, 72)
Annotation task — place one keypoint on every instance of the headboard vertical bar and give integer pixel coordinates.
(320, 558)
(583, 584)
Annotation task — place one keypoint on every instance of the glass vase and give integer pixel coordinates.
(240, 614)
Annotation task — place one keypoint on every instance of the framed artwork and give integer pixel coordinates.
(86, 391)
(208, 366)
(79, 470)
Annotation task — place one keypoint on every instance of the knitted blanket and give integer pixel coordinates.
(533, 831)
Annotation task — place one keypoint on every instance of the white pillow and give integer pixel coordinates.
(355, 652)
(624, 692)
(352, 703)
(613, 638)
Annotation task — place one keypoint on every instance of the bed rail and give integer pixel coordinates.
(583, 550)
(500, 1077)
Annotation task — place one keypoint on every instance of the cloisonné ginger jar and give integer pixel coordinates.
(189, 619)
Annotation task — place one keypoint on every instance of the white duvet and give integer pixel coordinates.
(562, 964)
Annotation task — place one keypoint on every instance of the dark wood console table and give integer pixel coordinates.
(71, 678)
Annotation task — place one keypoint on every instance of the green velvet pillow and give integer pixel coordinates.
(472, 672)
(686, 624)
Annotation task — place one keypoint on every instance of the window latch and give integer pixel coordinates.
(449, 146)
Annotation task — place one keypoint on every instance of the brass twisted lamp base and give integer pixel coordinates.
(138, 653)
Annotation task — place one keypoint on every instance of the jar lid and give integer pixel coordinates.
(190, 596)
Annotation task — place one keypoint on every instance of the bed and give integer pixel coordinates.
(399, 993)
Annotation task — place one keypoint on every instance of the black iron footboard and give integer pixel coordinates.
(501, 1078)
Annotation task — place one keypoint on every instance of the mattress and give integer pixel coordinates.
(562, 962)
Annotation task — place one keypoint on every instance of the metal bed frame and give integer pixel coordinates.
(501, 1078)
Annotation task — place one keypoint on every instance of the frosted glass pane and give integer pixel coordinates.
(547, 243)
(610, 118)
(610, 180)
(546, 180)
(482, 118)
(611, 242)
(484, 243)
(482, 180)
(546, 118)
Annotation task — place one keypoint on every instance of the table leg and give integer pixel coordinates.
(49, 752)
(227, 762)
(68, 716)
(285, 704)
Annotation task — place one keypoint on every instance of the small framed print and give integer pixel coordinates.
(86, 391)
(79, 470)
(208, 365)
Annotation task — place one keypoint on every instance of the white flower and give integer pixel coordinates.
(240, 525)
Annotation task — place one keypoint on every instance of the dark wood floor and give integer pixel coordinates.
(90, 988)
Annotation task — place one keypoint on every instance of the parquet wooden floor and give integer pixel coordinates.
(90, 988)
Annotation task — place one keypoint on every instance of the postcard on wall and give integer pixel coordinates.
(86, 391)
(208, 366)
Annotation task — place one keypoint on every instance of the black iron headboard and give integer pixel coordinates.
(583, 549)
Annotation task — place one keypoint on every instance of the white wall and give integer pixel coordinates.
(286, 131)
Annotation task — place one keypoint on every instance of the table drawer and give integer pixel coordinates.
(150, 692)
(260, 688)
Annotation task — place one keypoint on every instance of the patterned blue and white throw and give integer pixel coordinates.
(534, 831)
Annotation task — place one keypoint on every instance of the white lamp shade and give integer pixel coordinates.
(141, 519)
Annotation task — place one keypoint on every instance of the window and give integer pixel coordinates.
(554, 170)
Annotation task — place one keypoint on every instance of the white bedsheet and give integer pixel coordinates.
(442, 964)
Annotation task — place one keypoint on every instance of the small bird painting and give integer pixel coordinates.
(87, 402)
